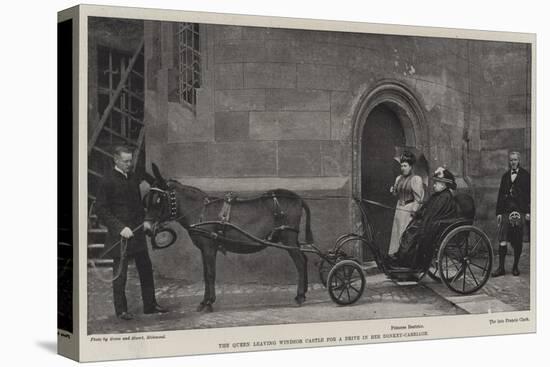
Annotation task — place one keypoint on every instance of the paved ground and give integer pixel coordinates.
(514, 291)
(501, 294)
(253, 304)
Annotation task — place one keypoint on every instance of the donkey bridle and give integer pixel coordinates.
(170, 195)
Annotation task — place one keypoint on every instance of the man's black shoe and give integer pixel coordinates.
(515, 272)
(155, 309)
(125, 316)
(499, 272)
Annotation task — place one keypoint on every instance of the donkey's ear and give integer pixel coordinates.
(148, 178)
(158, 176)
(156, 171)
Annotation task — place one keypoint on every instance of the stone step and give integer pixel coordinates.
(473, 303)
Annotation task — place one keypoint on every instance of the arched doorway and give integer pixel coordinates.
(388, 120)
(383, 139)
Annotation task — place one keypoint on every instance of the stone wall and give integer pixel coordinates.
(505, 106)
(276, 108)
(120, 34)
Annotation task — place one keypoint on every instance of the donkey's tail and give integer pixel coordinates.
(309, 234)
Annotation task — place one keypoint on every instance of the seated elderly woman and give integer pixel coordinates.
(416, 244)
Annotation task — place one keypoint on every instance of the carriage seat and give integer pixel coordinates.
(466, 207)
(465, 214)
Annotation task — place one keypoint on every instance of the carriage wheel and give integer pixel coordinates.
(465, 259)
(346, 282)
(326, 265)
(433, 269)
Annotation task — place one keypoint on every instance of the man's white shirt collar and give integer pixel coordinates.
(119, 170)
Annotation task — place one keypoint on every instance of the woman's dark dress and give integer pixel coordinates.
(416, 243)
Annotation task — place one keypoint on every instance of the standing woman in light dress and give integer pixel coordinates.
(409, 190)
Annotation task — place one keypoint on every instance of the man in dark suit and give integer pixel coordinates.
(513, 207)
(119, 207)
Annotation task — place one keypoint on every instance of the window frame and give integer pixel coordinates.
(189, 58)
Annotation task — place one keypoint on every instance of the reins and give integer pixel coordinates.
(210, 200)
(376, 203)
(123, 253)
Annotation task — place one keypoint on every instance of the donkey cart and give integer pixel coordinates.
(462, 256)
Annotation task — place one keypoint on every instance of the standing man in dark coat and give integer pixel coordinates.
(119, 207)
(513, 207)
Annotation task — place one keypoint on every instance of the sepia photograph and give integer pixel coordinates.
(247, 176)
(272, 184)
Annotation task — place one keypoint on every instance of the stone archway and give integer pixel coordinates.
(403, 124)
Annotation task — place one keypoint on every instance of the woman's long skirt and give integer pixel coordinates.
(400, 222)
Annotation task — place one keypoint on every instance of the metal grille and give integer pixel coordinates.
(189, 63)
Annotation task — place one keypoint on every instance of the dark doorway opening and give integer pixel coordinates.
(383, 138)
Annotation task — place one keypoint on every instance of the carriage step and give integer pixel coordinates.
(403, 278)
(96, 246)
(102, 262)
(405, 282)
(397, 270)
(369, 265)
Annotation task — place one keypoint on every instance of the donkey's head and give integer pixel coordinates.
(168, 200)
(159, 202)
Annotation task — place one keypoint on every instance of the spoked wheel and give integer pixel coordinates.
(325, 266)
(429, 267)
(433, 269)
(465, 259)
(346, 282)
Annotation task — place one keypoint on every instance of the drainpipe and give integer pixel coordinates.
(466, 133)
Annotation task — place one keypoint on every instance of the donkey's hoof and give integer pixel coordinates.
(299, 300)
(208, 308)
(200, 307)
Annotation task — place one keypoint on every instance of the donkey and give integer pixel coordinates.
(273, 216)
